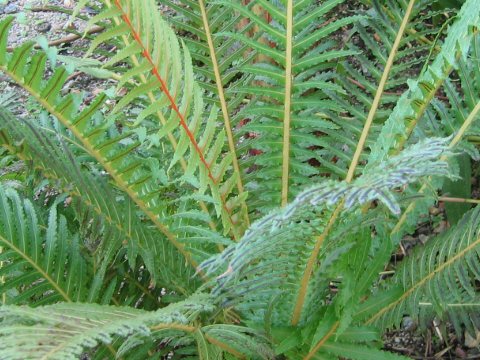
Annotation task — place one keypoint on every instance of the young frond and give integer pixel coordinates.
(270, 259)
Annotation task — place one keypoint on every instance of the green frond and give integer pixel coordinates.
(412, 105)
(216, 62)
(63, 331)
(454, 115)
(92, 198)
(356, 342)
(160, 72)
(439, 279)
(270, 259)
(40, 265)
(284, 115)
(242, 340)
(415, 109)
(116, 151)
(359, 75)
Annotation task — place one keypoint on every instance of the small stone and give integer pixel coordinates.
(441, 227)
(396, 339)
(10, 9)
(89, 10)
(470, 341)
(424, 230)
(423, 238)
(460, 353)
(408, 324)
(43, 27)
(57, 26)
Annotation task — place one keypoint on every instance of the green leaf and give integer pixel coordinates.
(438, 279)
(358, 352)
(63, 331)
(460, 188)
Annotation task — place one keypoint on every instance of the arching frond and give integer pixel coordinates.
(271, 258)
(217, 61)
(92, 197)
(63, 331)
(115, 150)
(173, 102)
(439, 279)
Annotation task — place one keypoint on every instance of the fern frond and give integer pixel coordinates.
(413, 103)
(110, 154)
(284, 114)
(63, 331)
(270, 260)
(379, 93)
(223, 103)
(94, 195)
(413, 163)
(216, 60)
(164, 68)
(40, 266)
(243, 341)
(438, 279)
(115, 151)
(360, 75)
(465, 114)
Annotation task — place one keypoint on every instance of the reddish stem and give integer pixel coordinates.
(173, 105)
(165, 90)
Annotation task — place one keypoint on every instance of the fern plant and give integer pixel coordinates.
(251, 153)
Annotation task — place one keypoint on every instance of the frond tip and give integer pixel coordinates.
(421, 159)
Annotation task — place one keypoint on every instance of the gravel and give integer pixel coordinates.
(32, 21)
